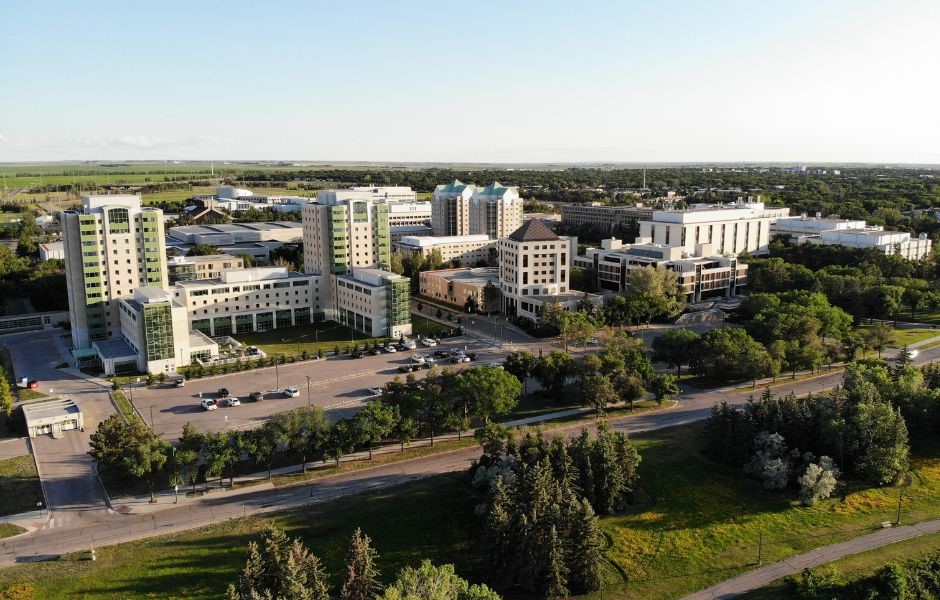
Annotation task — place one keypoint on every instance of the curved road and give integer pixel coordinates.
(98, 526)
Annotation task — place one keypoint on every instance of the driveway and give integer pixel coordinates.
(64, 465)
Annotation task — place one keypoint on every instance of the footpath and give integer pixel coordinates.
(820, 556)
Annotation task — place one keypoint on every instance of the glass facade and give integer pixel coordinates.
(222, 325)
(339, 234)
(397, 301)
(118, 221)
(244, 323)
(158, 331)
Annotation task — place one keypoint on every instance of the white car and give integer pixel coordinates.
(592, 340)
(418, 359)
(390, 349)
(208, 404)
(375, 391)
(495, 365)
(428, 342)
(291, 392)
(230, 402)
(460, 358)
(409, 344)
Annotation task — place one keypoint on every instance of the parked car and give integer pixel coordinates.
(389, 348)
(441, 353)
(428, 342)
(401, 347)
(407, 368)
(181, 382)
(409, 344)
(223, 392)
(371, 352)
(592, 340)
(291, 392)
(418, 359)
(472, 355)
(374, 391)
(460, 358)
(33, 384)
(208, 404)
(230, 402)
(256, 396)
(356, 354)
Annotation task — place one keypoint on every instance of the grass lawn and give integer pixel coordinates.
(697, 523)
(906, 337)
(19, 485)
(859, 566)
(125, 405)
(7, 530)
(430, 518)
(294, 340)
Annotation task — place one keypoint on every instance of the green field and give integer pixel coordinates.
(906, 337)
(696, 523)
(19, 485)
(858, 566)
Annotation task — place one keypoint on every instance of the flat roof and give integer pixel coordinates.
(114, 349)
(62, 407)
(430, 240)
(466, 274)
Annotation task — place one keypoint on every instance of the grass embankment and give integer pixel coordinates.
(124, 405)
(20, 489)
(858, 566)
(905, 337)
(697, 523)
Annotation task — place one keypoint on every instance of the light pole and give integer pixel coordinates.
(151, 415)
(277, 379)
(308, 390)
(39, 504)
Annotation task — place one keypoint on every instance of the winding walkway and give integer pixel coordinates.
(820, 556)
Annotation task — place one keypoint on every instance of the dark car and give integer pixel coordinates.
(406, 368)
(256, 396)
(441, 353)
(223, 392)
(356, 354)
(472, 355)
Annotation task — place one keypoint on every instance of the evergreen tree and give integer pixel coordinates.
(280, 569)
(362, 576)
(609, 481)
(585, 551)
(580, 451)
(555, 584)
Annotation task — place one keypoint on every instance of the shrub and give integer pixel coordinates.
(818, 481)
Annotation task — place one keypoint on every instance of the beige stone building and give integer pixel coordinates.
(457, 286)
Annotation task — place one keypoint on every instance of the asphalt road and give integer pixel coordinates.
(101, 528)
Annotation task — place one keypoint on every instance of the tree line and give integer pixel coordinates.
(917, 579)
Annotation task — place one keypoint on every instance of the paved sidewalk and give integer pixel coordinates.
(814, 558)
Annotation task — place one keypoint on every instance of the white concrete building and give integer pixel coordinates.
(701, 275)
(729, 228)
(796, 227)
(245, 300)
(113, 246)
(52, 250)
(52, 417)
(373, 301)
(534, 269)
(468, 249)
(889, 242)
(384, 194)
(409, 214)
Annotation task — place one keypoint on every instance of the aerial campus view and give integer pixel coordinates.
(434, 301)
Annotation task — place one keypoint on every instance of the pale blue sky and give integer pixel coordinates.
(680, 80)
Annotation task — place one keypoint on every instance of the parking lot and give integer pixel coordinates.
(339, 386)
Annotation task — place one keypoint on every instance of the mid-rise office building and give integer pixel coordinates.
(899, 243)
(385, 194)
(729, 228)
(192, 268)
(468, 249)
(534, 269)
(701, 275)
(373, 301)
(460, 209)
(603, 217)
(112, 246)
(343, 234)
(458, 286)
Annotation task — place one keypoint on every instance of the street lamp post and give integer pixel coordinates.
(277, 379)
(151, 415)
(308, 390)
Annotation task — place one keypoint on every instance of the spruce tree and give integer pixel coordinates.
(362, 576)
(609, 481)
(562, 466)
(585, 551)
(580, 452)
(555, 581)
(279, 568)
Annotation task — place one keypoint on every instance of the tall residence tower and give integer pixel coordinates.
(341, 234)
(460, 209)
(113, 246)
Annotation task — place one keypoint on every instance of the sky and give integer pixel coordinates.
(443, 81)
